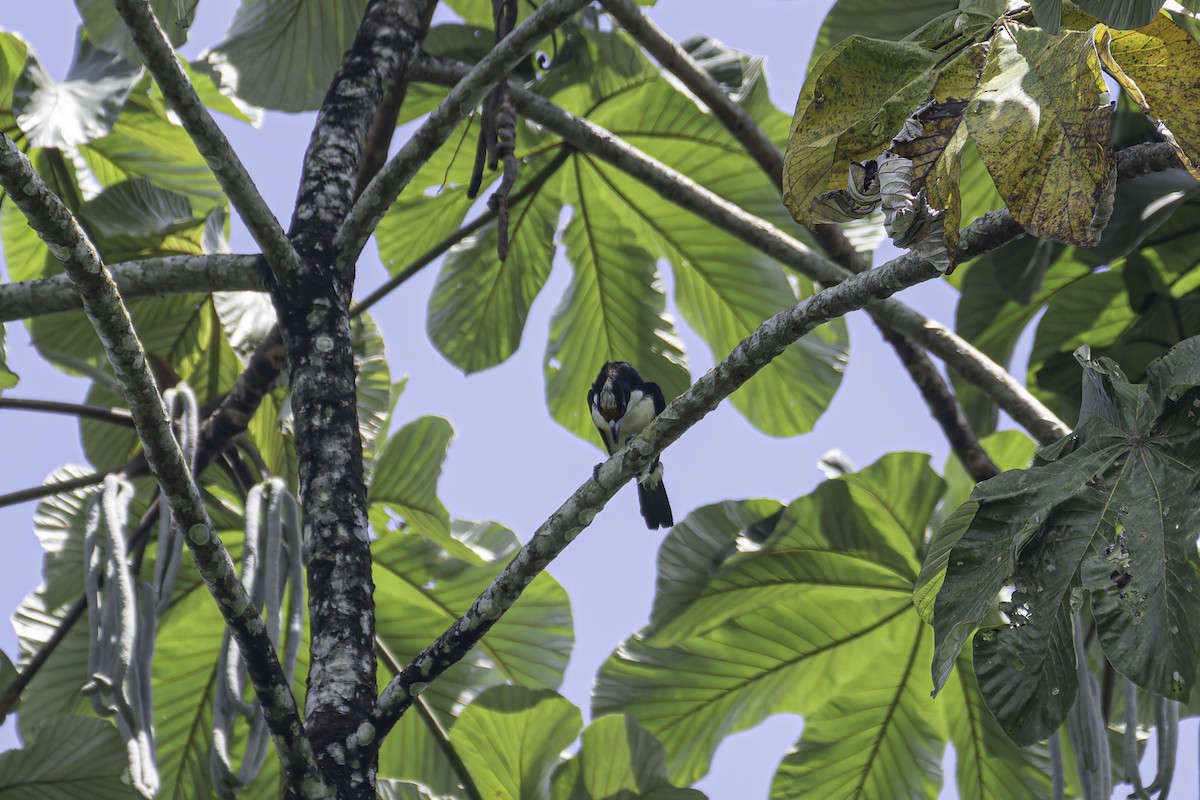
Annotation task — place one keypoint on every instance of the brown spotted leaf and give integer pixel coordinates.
(1159, 66)
(1041, 125)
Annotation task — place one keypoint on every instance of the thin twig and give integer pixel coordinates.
(117, 416)
(47, 489)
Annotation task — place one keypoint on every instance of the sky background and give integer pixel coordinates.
(509, 461)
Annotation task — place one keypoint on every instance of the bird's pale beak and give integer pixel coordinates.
(615, 426)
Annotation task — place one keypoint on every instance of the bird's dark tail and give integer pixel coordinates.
(656, 509)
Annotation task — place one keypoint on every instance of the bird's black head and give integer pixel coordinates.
(610, 392)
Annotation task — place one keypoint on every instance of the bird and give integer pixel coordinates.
(622, 406)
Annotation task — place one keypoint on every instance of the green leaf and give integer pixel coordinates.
(1142, 204)
(57, 687)
(79, 110)
(617, 758)
(882, 738)
(614, 308)
(723, 288)
(373, 386)
(1041, 124)
(107, 31)
(993, 322)
(788, 626)
(433, 205)
(510, 739)
(8, 673)
(479, 305)
(426, 589)
(855, 99)
(1106, 510)
(67, 758)
(699, 544)
(1048, 15)
(8, 378)
(988, 765)
(420, 590)
(406, 475)
(282, 54)
(144, 143)
(58, 522)
(390, 789)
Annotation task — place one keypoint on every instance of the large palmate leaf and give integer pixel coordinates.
(1108, 510)
(65, 758)
(144, 142)
(614, 309)
(823, 605)
(281, 54)
(723, 288)
(510, 738)
(617, 758)
(988, 765)
(991, 320)
(420, 590)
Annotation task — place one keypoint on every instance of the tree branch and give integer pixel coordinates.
(149, 277)
(388, 39)
(102, 303)
(983, 235)
(160, 59)
(469, 89)
(933, 387)
(751, 355)
(943, 406)
(679, 63)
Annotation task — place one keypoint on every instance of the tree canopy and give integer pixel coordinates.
(255, 586)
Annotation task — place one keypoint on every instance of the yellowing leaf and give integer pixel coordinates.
(1159, 66)
(855, 100)
(1041, 125)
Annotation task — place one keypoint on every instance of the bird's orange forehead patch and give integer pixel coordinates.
(610, 413)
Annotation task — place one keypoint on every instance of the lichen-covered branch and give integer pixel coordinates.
(103, 305)
(149, 277)
(751, 355)
(469, 89)
(228, 169)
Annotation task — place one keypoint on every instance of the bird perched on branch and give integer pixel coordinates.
(622, 406)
